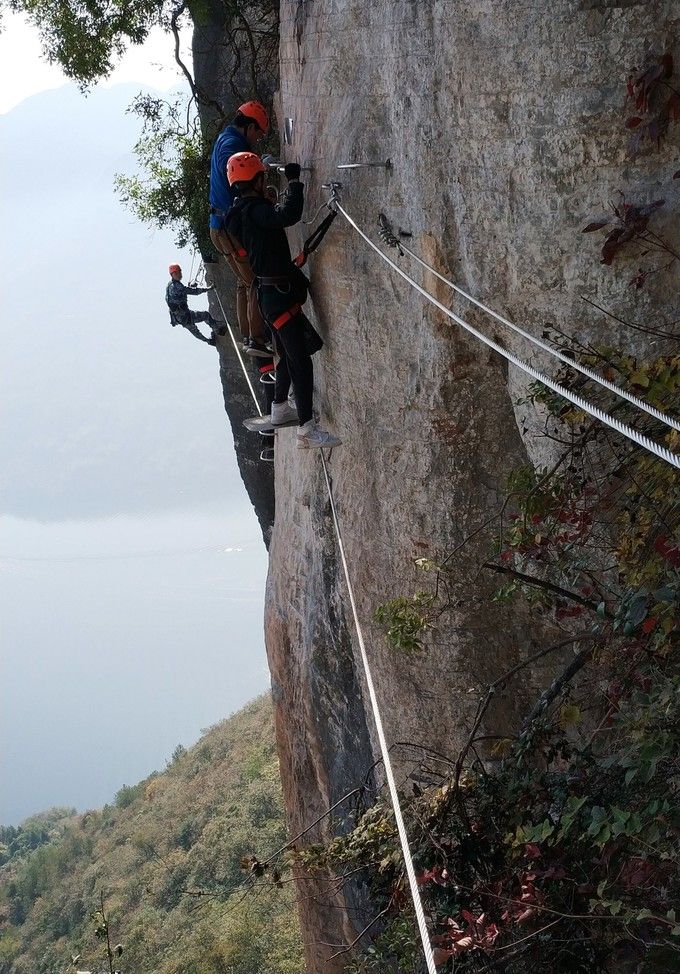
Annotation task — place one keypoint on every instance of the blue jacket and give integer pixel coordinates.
(227, 144)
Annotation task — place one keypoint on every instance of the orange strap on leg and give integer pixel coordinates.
(286, 316)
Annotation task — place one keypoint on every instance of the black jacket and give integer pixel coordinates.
(260, 227)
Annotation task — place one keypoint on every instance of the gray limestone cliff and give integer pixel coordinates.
(504, 124)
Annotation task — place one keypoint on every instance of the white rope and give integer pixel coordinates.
(660, 451)
(623, 393)
(401, 828)
(384, 750)
(238, 353)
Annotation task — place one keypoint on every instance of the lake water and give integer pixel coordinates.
(132, 563)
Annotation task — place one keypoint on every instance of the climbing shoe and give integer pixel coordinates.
(257, 350)
(311, 436)
(283, 413)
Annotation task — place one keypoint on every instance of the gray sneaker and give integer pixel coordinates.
(311, 436)
(283, 414)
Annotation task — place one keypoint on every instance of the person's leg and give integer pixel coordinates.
(222, 243)
(282, 385)
(192, 329)
(266, 366)
(291, 337)
(258, 329)
(239, 263)
(216, 326)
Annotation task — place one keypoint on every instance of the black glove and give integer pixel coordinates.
(292, 171)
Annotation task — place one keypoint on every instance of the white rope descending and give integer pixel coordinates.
(238, 353)
(655, 448)
(384, 750)
(401, 828)
(623, 393)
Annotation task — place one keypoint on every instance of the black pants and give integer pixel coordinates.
(295, 361)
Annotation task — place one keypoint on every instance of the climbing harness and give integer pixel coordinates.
(655, 448)
(286, 316)
(387, 234)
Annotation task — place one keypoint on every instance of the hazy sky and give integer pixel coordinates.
(24, 71)
(131, 564)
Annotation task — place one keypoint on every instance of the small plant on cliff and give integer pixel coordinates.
(656, 102)
(406, 621)
(631, 232)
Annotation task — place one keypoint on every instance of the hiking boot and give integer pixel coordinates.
(282, 413)
(311, 436)
(256, 350)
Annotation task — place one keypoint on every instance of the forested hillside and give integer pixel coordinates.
(166, 855)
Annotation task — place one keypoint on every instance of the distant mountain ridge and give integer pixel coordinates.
(185, 828)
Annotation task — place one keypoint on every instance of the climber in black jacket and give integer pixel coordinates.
(282, 288)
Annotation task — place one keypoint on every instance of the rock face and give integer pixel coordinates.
(503, 123)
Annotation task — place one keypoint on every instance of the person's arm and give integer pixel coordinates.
(195, 290)
(289, 210)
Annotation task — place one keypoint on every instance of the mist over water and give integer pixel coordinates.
(131, 564)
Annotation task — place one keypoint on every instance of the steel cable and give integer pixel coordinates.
(640, 439)
(572, 363)
(238, 353)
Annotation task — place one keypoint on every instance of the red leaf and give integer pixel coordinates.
(638, 281)
(595, 226)
(648, 625)
(633, 122)
(670, 550)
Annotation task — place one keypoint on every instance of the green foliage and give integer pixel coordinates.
(175, 161)
(16, 842)
(86, 37)
(126, 795)
(167, 858)
(565, 859)
(405, 621)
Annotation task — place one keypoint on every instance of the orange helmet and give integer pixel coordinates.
(256, 111)
(244, 166)
(174, 269)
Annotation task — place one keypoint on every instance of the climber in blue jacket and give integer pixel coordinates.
(250, 125)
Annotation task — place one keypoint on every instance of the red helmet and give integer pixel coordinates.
(175, 269)
(244, 166)
(256, 111)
